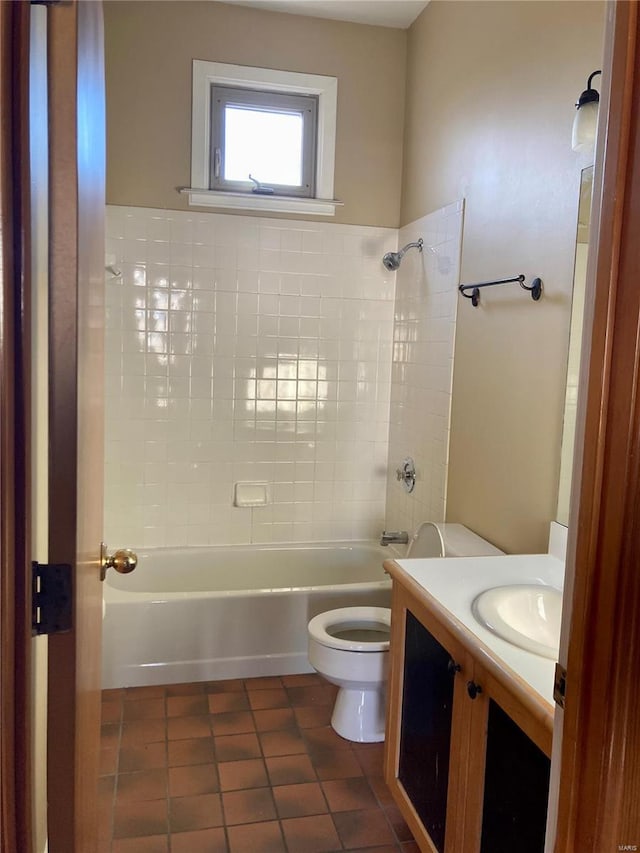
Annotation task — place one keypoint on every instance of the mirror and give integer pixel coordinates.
(575, 341)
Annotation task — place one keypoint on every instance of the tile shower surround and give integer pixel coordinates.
(245, 349)
(422, 372)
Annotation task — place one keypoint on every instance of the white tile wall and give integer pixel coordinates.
(245, 349)
(422, 372)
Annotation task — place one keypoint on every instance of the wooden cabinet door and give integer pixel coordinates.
(516, 788)
(508, 768)
(426, 729)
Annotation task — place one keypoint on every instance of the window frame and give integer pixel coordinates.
(206, 74)
(265, 101)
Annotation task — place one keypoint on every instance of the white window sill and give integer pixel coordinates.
(271, 203)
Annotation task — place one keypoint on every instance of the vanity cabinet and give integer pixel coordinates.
(467, 752)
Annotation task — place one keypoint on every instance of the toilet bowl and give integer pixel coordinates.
(350, 646)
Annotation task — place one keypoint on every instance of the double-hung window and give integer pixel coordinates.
(262, 139)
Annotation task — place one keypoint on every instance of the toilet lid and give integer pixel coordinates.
(356, 629)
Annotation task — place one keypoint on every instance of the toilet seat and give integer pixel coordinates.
(350, 618)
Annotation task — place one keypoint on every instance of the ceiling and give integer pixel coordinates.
(381, 13)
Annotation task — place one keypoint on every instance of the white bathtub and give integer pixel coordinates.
(200, 614)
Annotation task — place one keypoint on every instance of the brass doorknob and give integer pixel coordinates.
(123, 561)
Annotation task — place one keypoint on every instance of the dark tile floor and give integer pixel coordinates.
(240, 766)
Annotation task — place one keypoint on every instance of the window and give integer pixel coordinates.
(278, 126)
(263, 141)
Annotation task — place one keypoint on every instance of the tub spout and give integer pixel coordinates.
(400, 537)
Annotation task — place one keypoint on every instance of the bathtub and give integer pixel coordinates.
(201, 614)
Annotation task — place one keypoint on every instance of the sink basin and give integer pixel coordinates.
(526, 615)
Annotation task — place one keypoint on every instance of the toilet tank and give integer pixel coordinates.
(433, 539)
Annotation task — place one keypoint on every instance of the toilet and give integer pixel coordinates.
(349, 646)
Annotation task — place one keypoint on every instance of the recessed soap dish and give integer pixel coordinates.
(250, 494)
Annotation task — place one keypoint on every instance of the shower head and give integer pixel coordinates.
(392, 260)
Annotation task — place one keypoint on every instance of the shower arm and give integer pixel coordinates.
(417, 245)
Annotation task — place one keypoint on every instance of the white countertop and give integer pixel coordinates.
(456, 581)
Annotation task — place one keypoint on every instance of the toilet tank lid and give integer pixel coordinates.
(459, 541)
(431, 538)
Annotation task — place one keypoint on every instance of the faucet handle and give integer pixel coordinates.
(406, 474)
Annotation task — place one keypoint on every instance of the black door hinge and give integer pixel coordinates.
(51, 598)
(559, 685)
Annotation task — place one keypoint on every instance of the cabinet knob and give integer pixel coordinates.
(453, 667)
(473, 689)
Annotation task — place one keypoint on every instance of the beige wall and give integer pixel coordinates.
(149, 49)
(490, 94)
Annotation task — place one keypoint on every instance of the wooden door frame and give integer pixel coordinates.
(15, 394)
(599, 796)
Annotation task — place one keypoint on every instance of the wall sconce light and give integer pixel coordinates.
(585, 123)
